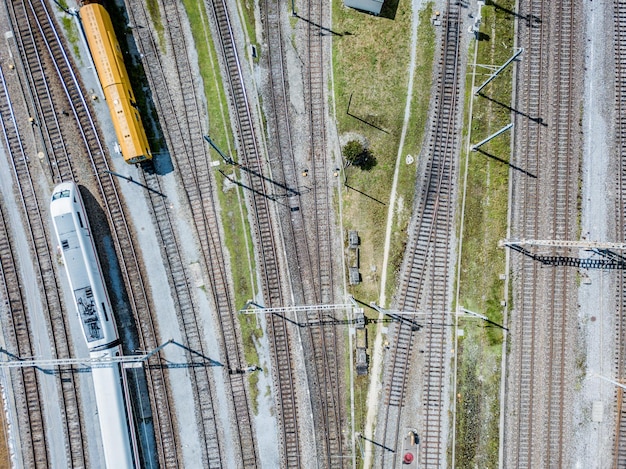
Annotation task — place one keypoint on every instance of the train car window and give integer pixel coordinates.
(106, 316)
(61, 195)
(80, 219)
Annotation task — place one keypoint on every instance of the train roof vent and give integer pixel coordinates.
(65, 244)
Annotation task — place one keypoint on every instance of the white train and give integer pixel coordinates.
(98, 324)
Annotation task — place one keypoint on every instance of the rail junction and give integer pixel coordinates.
(168, 260)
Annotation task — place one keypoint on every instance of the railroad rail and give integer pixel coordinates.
(182, 129)
(32, 24)
(188, 321)
(619, 37)
(52, 306)
(565, 163)
(545, 299)
(17, 334)
(326, 342)
(259, 200)
(519, 441)
(424, 283)
(305, 215)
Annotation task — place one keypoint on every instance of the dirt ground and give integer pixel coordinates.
(5, 462)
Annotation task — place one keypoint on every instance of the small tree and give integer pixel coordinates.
(352, 151)
(357, 155)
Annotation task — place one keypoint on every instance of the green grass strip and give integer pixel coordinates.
(481, 288)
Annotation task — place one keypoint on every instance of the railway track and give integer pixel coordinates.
(619, 35)
(325, 341)
(305, 217)
(181, 126)
(545, 299)
(184, 302)
(565, 165)
(259, 201)
(298, 216)
(530, 149)
(424, 283)
(32, 26)
(17, 336)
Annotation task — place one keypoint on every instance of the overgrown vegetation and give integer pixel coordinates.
(155, 16)
(249, 23)
(71, 32)
(481, 287)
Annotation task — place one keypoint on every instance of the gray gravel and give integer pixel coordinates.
(592, 443)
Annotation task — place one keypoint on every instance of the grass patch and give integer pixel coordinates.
(71, 34)
(5, 460)
(482, 262)
(251, 332)
(234, 217)
(246, 9)
(371, 84)
(477, 397)
(155, 16)
(361, 383)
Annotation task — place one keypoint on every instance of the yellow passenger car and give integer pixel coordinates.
(107, 57)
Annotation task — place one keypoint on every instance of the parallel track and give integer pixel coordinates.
(181, 126)
(250, 157)
(32, 27)
(619, 35)
(68, 85)
(17, 336)
(529, 147)
(52, 307)
(564, 163)
(183, 300)
(547, 146)
(305, 218)
(326, 340)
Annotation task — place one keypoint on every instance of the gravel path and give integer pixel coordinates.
(596, 315)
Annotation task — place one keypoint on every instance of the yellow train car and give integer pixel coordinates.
(107, 57)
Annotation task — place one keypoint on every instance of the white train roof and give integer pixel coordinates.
(62, 196)
(82, 267)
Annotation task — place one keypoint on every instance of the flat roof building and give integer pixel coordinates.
(370, 6)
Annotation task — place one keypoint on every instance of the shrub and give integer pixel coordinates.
(356, 154)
